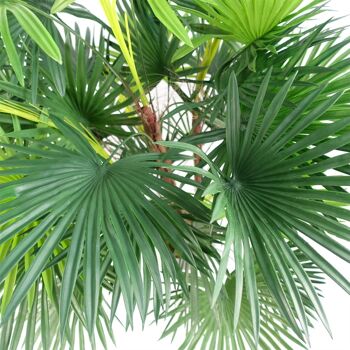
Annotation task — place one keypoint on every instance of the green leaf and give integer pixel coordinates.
(269, 197)
(214, 326)
(170, 19)
(219, 208)
(233, 121)
(72, 267)
(35, 74)
(60, 5)
(92, 262)
(220, 278)
(185, 49)
(9, 45)
(245, 21)
(32, 25)
(39, 262)
(69, 196)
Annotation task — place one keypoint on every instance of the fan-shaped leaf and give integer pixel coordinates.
(79, 195)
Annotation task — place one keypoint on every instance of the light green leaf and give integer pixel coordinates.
(9, 46)
(219, 208)
(170, 19)
(36, 30)
(244, 21)
(60, 5)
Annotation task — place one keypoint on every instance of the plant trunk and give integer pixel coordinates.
(152, 127)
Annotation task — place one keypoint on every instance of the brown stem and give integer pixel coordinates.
(207, 59)
(153, 129)
(197, 127)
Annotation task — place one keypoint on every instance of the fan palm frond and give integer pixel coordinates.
(82, 88)
(76, 199)
(269, 191)
(214, 328)
(221, 238)
(243, 21)
(275, 185)
(154, 48)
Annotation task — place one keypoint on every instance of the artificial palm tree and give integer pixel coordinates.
(206, 209)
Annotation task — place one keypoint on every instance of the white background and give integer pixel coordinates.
(336, 301)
